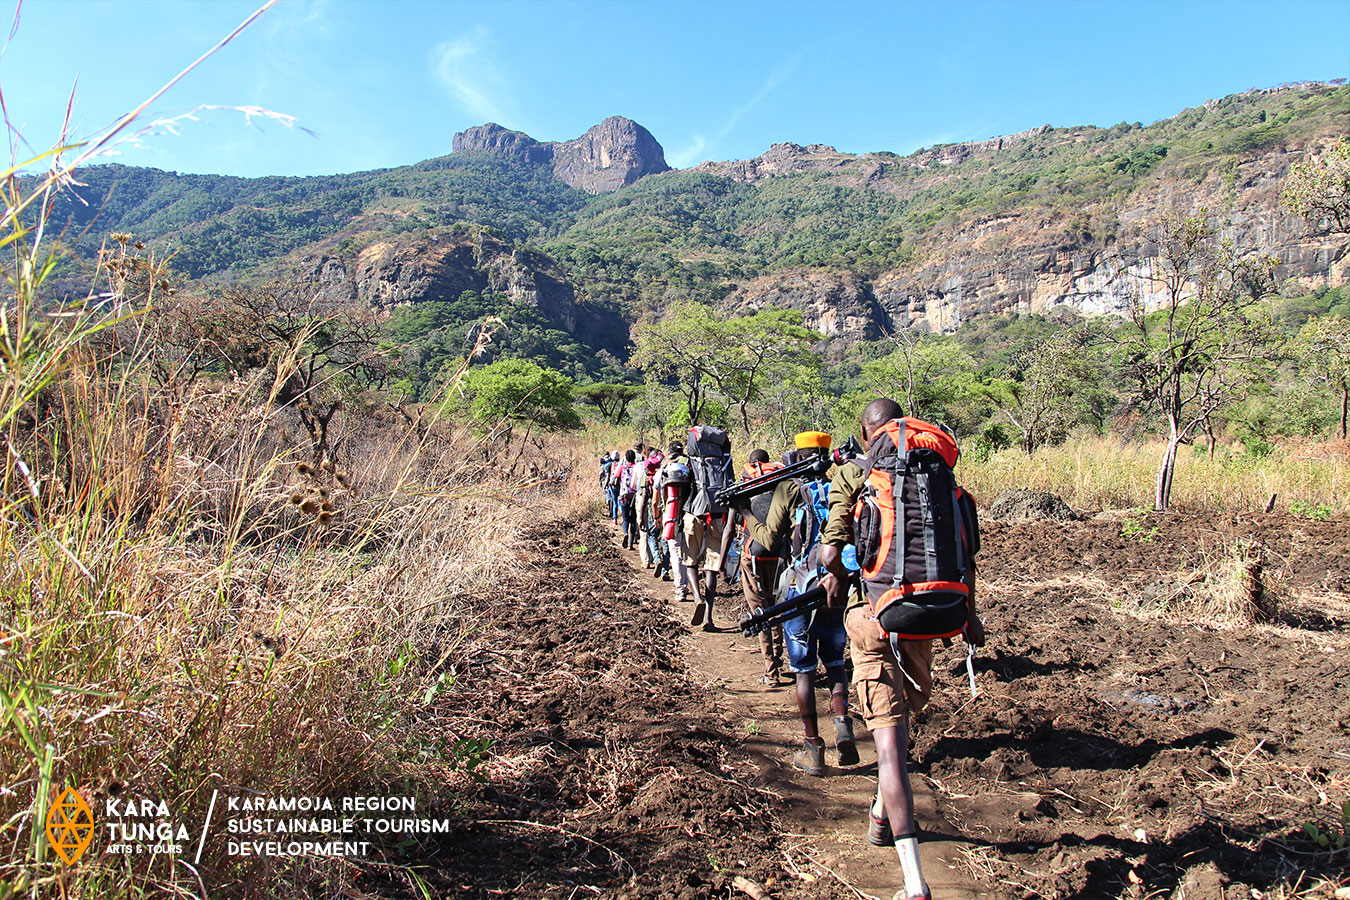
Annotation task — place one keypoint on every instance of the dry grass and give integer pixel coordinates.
(188, 606)
(1232, 586)
(1103, 473)
(189, 603)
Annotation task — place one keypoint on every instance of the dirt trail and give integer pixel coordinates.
(1115, 751)
(830, 812)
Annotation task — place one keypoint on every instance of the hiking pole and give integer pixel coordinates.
(767, 617)
(738, 493)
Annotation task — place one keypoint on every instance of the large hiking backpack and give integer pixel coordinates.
(917, 532)
(759, 507)
(810, 517)
(709, 452)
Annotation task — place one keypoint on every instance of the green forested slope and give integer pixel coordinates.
(695, 233)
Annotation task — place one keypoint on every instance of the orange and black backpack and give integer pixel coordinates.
(917, 532)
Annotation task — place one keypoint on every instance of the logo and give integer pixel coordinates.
(70, 826)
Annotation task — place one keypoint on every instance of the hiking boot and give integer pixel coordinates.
(811, 758)
(843, 741)
(879, 831)
(625, 542)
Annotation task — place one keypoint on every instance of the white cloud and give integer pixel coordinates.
(691, 154)
(467, 72)
(780, 73)
(687, 156)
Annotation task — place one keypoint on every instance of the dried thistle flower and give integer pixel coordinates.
(342, 479)
(310, 506)
(304, 468)
(325, 517)
(297, 498)
(326, 506)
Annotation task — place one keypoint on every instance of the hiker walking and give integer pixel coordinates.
(758, 564)
(648, 551)
(612, 486)
(628, 497)
(606, 464)
(709, 455)
(916, 537)
(675, 485)
(791, 528)
(642, 504)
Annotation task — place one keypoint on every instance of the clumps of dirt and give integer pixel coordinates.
(1110, 755)
(609, 771)
(1022, 504)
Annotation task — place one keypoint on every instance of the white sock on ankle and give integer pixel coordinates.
(908, 849)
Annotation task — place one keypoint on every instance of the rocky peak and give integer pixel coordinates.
(615, 153)
(493, 138)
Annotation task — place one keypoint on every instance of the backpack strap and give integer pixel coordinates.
(961, 562)
(900, 660)
(901, 439)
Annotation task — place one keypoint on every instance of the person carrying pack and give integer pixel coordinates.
(674, 486)
(606, 464)
(642, 503)
(628, 497)
(649, 520)
(916, 536)
(758, 564)
(709, 459)
(792, 529)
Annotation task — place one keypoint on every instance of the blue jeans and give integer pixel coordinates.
(815, 639)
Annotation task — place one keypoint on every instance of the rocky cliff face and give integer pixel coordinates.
(440, 266)
(1021, 265)
(1024, 262)
(615, 153)
(840, 305)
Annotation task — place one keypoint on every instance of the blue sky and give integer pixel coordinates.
(386, 83)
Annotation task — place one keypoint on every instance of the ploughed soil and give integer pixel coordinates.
(1123, 744)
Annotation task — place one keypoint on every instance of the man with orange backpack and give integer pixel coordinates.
(916, 536)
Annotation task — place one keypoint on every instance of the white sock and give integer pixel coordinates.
(908, 849)
(878, 808)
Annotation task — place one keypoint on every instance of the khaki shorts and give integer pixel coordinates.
(703, 543)
(885, 695)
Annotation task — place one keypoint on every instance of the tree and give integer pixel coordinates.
(711, 357)
(1051, 387)
(930, 374)
(511, 391)
(612, 400)
(1318, 189)
(1323, 348)
(320, 350)
(796, 401)
(1199, 349)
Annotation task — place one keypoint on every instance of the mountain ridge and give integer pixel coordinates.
(862, 244)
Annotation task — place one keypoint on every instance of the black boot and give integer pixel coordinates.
(843, 741)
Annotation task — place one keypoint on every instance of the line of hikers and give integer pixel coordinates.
(879, 531)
